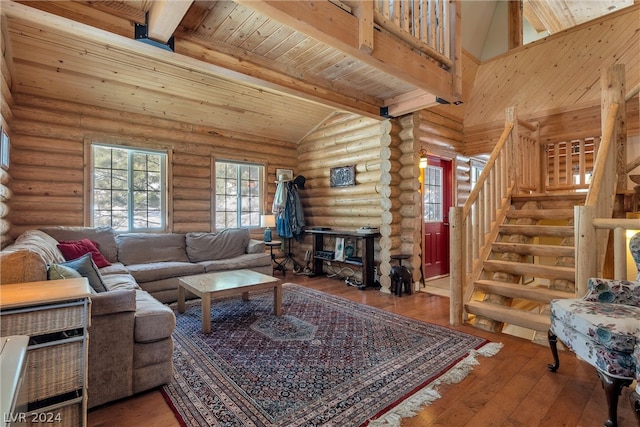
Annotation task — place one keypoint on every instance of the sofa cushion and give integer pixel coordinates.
(76, 248)
(162, 270)
(87, 268)
(613, 291)
(58, 272)
(40, 243)
(617, 364)
(237, 263)
(228, 243)
(154, 321)
(256, 247)
(613, 326)
(634, 248)
(115, 268)
(103, 237)
(119, 281)
(141, 248)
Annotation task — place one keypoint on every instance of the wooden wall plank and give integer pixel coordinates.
(558, 71)
(48, 161)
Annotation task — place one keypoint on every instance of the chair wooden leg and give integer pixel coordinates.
(553, 345)
(634, 397)
(612, 389)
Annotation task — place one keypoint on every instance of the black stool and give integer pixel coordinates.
(400, 276)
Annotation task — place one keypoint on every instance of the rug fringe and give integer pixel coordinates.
(411, 407)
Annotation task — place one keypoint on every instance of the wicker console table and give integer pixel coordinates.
(55, 316)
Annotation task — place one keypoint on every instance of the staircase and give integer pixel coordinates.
(512, 243)
(531, 262)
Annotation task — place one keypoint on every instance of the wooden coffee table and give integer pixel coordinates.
(227, 283)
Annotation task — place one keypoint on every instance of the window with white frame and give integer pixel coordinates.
(128, 188)
(238, 194)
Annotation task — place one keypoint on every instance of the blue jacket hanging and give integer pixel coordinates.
(290, 222)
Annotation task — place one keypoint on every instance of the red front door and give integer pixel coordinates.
(436, 201)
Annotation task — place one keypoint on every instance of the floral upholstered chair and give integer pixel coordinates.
(603, 328)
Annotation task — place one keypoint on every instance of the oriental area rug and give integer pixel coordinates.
(326, 361)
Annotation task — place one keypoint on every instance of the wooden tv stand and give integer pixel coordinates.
(368, 240)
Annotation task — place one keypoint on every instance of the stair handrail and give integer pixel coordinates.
(590, 243)
(473, 225)
(598, 189)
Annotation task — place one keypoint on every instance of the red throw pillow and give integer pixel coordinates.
(77, 248)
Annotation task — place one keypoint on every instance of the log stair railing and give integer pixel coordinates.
(509, 262)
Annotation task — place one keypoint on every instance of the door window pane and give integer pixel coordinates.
(432, 194)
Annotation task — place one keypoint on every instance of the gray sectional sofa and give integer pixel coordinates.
(131, 345)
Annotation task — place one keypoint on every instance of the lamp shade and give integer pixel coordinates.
(267, 220)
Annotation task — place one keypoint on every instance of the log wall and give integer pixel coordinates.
(410, 224)
(392, 238)
(51, 140)
(6, 106)
(440, 135)
(344, 140)
(462, 171)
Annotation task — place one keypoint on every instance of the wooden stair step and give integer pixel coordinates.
(557, 200)
(535, 250)
(538, 230)
(514, 290)
(540, 213)
(532, 270)
(512, 316)
(566, 195)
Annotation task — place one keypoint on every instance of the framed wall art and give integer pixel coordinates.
(343, 176)
(284, 174)
(4, 150)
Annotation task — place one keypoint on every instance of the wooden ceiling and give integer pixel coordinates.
(558, 15)
(233, 69)
(235, 66)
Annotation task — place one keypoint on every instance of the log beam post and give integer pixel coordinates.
(456, 265)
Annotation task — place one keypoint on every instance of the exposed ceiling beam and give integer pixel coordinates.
(195, 59)
(547, 16)
(409, 102)
(515, 24)
(164, 16)
(532, 17)
(364, 12)
(329, 24)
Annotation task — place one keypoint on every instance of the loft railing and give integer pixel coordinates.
(432, 28)
(528, 157)
(428, 25)
(569, 164)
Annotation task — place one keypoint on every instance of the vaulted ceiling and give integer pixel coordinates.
(558, 15)
(242, 66)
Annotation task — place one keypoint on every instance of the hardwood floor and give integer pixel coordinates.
(512, 388)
